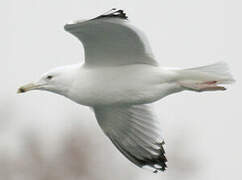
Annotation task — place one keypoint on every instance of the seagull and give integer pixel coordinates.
(120, 79)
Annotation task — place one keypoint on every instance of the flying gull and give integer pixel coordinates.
(119, 79)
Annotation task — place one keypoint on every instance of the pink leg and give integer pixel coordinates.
(203, 86)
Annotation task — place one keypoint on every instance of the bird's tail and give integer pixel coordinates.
(206, 78)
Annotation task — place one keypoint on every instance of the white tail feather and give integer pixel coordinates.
(219, 69)
(206, 78)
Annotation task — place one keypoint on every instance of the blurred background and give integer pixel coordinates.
(44, 136)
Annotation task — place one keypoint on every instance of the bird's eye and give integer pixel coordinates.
(49, 77)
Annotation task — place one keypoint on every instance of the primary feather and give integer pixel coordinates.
(135, 131)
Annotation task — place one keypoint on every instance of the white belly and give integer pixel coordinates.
(133, 84)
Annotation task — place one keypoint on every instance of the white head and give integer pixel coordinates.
(57, 80)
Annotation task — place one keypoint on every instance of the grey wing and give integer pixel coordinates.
(135, 131)
(110, 40)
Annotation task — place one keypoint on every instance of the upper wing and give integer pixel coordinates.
(135, 131)
(109, 40)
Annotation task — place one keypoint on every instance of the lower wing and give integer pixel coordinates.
(135, 131)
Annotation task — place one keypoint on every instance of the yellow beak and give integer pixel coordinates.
(27, 87)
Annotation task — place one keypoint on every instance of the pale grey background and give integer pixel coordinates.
(202, 131)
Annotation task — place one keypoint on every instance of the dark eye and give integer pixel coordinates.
(49, 77)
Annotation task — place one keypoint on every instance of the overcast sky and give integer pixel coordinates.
(183, 33)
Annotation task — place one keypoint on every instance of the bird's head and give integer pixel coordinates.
(57, 80)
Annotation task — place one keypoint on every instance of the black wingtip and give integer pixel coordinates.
(160, 162)
(157, 163)
(113, 13)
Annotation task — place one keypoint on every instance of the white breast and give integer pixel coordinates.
(132, 84)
